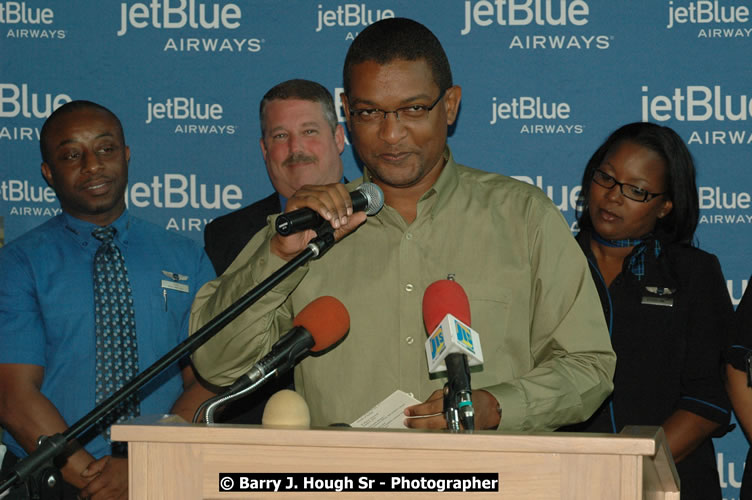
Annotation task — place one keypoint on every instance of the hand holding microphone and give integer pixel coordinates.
(313, 205)
(367, 198)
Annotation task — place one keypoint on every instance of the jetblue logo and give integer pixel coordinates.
(18, 100)
(715, 199)
(533, 112)
(192, 117)
(350, 15)
(182, 108)
(695, 103)
(525, 12)
(706, 12)
(19, 13)
(187, 13)
(528, 108)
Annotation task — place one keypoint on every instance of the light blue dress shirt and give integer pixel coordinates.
(47, 313)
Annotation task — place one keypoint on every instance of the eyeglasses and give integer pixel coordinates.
(630, 191)
(416, 112)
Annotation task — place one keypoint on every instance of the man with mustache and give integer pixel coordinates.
(301, 142)
(87, 300)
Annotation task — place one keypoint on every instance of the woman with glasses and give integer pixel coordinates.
(665, 301)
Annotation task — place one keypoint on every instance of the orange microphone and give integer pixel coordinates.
(318, 326)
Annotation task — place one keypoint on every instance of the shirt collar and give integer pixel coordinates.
(81, 230)
(443, 187)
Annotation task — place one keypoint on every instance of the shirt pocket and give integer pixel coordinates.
(504, 351)
(169, 314)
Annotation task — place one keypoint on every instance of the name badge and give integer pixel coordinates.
(658, 296)
(172, 285)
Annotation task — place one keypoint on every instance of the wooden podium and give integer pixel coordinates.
(170, 459)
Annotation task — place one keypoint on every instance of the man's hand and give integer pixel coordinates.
(433, 405)
(109, 479)
(484, 404)
(332, 202)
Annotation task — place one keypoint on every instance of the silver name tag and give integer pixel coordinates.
(172, 285)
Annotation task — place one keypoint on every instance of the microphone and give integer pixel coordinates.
(367, 198)
(318, 326)
(286, 408)
(446, 314)
(452, 346)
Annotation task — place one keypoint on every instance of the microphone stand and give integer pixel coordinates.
(458, 401)
(219, 400)
(45, 484)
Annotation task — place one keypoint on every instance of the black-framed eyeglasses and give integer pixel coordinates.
(628, 190)
(415, 112)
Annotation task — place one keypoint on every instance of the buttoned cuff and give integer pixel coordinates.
(513, 407)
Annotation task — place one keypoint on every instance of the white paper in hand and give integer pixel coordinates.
(389, 414)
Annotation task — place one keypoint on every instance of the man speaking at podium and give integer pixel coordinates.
(548, 359)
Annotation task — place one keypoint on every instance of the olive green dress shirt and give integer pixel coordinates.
(547, 355)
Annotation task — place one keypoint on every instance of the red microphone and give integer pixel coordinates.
(442, 298)
(446, 314)
(450, 345)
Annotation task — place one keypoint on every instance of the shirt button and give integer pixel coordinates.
(409, 236)
(409, 340)
(409, 287)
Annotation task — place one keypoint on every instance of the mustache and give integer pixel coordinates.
(299, 158)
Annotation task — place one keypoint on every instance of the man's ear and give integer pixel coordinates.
(47, 174)
(339, 138)
(345, 109)
(263, 148)
(452, 100)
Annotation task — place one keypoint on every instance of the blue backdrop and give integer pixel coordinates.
(544, 82)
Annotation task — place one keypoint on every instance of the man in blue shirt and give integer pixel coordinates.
(47, 334)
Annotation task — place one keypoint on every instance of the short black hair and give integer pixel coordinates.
(305, 90)
(65, 109)
(398, 38)
(680, 223)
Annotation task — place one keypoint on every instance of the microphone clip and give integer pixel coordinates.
(323, 241)
(451, 414)
(458, 409)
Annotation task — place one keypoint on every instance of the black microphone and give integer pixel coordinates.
(367, 198)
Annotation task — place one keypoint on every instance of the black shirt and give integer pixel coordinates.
(668, 330)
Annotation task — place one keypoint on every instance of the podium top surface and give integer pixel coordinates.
(634, 440)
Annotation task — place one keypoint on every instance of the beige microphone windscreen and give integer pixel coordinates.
(286, 408)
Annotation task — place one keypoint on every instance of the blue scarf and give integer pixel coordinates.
(636, 264)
